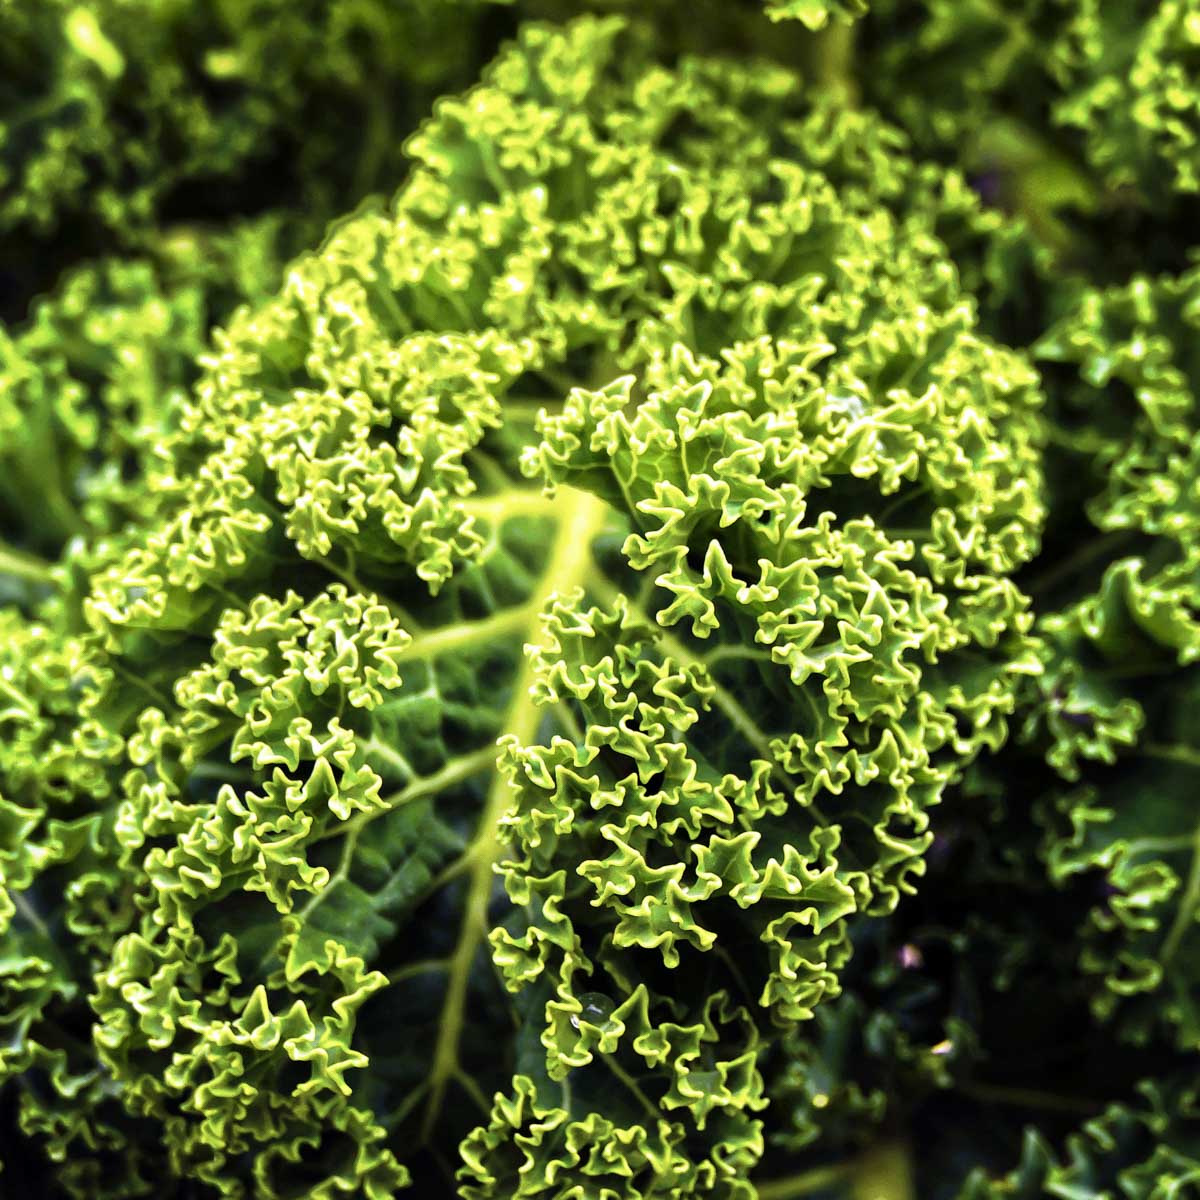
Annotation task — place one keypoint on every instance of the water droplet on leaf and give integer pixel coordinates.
(597, 1009)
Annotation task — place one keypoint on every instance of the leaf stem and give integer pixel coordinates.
(515, 502)
(342, 873)
(632, 1085)
(22, 702)
(1072, 563)
(131, 677)
(31, 914)
(1184, 755)
(583, 516)
(991, 1093)
(1187, 906)
(473, 1090)
(374, 747)
(832, 64)
(411, 970)
(457, 770)
(806, 1182)
(466, 634)
(23, 565)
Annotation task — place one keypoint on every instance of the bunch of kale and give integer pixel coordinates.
(659, 661)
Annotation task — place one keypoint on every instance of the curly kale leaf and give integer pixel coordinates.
(1079, 115)
(1113, 713)
(109, 108)
(93, 383)
(1149, 1147)
(625, 510)
(1130, 420)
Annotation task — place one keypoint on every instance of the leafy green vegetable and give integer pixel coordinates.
(1080, 115)
(92, 384)
(111, 104)
(1145, 1149)
(799, 510)
(660, 661)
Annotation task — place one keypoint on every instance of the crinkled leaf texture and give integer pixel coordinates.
(111, 105)
(1148, 1148)
(1114, 713)
(625, 516)
(93, 383)
(1063, 107)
